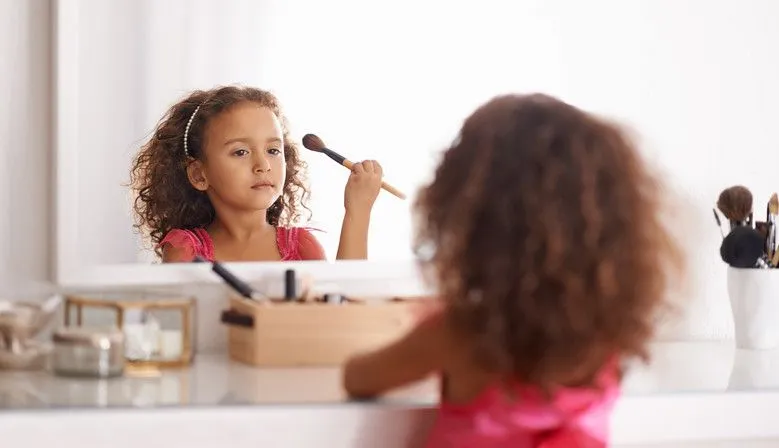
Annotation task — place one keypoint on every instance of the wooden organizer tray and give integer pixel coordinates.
(312, 334)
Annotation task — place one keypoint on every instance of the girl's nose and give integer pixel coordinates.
(261, 164)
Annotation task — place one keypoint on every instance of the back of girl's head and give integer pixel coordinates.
(165, 199)
(542, 227)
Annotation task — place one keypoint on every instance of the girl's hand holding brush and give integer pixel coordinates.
(363, 187)
(360, 194)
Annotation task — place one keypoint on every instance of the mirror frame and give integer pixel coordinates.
(67, 268)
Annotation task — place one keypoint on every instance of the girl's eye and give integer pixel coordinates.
(240, 152)
(274, 151)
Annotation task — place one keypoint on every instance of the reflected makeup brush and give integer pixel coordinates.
(314, 143)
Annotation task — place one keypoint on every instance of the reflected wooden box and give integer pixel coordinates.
(313, 334)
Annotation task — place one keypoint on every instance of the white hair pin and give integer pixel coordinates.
(186, 131)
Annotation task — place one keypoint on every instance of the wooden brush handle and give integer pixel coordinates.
(387, 187)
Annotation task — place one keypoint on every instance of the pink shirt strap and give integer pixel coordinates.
(308, 246)
(194, 242)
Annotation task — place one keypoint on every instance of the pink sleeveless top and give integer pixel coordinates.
(573, 418)
(294, 243)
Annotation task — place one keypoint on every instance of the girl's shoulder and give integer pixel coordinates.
(299, 243)
(188, 243)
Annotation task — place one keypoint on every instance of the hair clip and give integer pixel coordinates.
(186, 131)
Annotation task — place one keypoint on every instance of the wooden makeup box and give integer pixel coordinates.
(315, 333)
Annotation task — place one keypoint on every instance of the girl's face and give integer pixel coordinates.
(243, 165)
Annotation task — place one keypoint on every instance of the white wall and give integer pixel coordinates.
(696, 78)
(25, 142)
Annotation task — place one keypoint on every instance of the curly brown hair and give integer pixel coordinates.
(166, 200)
(542, 231)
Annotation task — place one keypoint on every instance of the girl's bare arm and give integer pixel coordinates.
(421, 352)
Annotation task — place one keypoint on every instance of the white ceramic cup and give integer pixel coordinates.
(754, 300)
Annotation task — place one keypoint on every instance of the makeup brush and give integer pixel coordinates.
(772, 217)
(736, 204)
(742, 247)
(762, 228)
(719, 223)
(314, 143)
(234, 282)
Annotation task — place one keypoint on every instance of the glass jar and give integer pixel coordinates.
(84, 352)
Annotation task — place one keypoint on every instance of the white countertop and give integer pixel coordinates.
(691, 391)
(213, 380)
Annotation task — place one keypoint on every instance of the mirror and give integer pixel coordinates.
(380, 102)
(368, 93)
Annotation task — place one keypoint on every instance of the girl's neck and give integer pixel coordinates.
(240, 226)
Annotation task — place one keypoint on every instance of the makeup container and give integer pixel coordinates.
(90, 353)
(287, 330)
(312, 334)
(159, 330)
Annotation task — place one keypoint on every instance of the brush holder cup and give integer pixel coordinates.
(754, 300)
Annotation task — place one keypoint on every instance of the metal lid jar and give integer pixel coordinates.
(87, 352)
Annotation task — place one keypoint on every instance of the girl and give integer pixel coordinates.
(543, 233)
(221, 179)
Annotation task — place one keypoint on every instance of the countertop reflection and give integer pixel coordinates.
(213, 380)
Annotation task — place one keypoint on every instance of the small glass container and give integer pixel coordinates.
(85, 352)
(159, 329)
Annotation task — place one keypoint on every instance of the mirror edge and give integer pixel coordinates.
(65, 46)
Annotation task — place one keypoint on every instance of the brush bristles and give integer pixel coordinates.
(735, 203)
(314, 143)
(742, 247)
(773, 204)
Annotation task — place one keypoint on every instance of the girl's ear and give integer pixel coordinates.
(197, 175)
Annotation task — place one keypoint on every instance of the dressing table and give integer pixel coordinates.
(696, 392)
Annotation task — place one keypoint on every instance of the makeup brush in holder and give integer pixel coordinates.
(772, 218)
(314, 143)
(719, 223)
(736, 204)
(743, 247)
